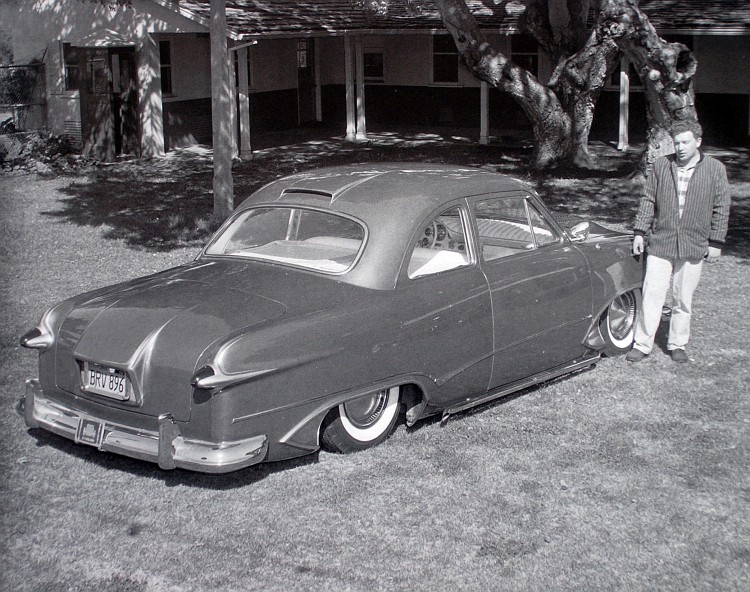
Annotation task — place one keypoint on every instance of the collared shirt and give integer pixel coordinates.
(684, 174)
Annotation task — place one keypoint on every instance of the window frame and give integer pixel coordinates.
(70, 84)
(529, 206)
(525, 53)
(165, 68)
(435, 53)
(375, 52)
(219, 240)
(467, 229)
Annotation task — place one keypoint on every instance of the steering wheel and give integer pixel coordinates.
(430, 234)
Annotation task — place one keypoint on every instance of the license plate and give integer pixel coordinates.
(90, 431)
(103, 380)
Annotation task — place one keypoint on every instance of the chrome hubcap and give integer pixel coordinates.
(621, 318)
(366, 411)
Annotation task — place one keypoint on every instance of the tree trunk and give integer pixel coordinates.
(550, 123)
(221, 112)
(666, 71)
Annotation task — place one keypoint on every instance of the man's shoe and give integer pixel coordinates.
(679, 356)
(635, 355)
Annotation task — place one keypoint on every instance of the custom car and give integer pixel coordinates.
(331, 305)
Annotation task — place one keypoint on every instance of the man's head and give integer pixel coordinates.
(687, 136)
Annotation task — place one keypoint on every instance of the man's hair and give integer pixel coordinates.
(682, 126)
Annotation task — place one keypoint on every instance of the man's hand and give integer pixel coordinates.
(638, 244)
(713, 254)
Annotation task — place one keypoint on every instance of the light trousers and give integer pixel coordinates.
(684, 276)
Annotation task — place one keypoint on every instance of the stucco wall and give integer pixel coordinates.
(191, 66)
(274, 65)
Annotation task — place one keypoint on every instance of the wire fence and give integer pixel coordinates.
(22, 98)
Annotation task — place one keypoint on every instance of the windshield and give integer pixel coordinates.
(306, 238)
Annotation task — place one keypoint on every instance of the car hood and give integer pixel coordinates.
(155, 329)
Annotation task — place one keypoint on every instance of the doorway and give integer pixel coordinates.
(108, 95)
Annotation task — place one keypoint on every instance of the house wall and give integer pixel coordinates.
(722, 64)
(41, 26)
(273, 93)
(407, 96)
(187, 110)
(722, 94)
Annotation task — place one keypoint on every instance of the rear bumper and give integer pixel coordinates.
(166, 446)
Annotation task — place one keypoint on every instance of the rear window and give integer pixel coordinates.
(295, 236)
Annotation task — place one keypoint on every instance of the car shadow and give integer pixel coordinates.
(171, 478)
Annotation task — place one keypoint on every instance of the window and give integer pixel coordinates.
(72, 70)
(444, 59)
(373, 63)
(524, 51)
(302, 54)
(441, 245)
(165, 59)
(511, 225)
(293, 236)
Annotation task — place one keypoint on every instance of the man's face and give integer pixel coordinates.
(685, 146)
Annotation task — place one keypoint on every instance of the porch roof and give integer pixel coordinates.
(247, 19)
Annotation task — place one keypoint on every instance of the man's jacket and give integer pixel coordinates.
(705, 216)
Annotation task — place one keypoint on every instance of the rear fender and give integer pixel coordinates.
(305, 434)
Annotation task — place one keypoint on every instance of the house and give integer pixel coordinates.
(137, 79)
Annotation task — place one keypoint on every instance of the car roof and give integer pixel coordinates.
(391, 199)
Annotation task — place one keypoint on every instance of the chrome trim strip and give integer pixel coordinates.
(167, 446)
(520, 385)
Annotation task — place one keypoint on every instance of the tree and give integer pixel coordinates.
(561, 111)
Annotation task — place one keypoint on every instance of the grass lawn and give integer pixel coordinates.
(618, 478)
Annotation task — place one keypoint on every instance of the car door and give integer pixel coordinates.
(442, 310)
(539, 284)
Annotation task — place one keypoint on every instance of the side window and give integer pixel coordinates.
(441, 245)
(543, 232)
(503, 227)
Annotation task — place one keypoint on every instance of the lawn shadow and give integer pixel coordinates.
(167, 203)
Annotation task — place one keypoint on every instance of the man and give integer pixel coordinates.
(684, 212)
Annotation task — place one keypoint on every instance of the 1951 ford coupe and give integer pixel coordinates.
(327, 304)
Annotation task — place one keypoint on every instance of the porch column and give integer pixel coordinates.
(623, 139)
(484, 117)
(360, 74)
(351, 124)
(149, 98)
(233, 104)
(318, 98)
(246, 152)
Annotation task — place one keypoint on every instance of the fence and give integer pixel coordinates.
(22, 98)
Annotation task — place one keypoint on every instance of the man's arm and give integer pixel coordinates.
(719, 215)
(645, 216)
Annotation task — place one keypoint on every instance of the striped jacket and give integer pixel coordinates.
(704, 219)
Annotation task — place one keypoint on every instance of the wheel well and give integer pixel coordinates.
(413, 400)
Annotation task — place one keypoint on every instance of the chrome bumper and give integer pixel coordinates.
(166, 446)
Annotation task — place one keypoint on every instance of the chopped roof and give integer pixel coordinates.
(280, 18)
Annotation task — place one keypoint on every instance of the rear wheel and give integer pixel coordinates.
(618, 323)
(361, 423)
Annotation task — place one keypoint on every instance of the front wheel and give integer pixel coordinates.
(361, 423)
(618, 323)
